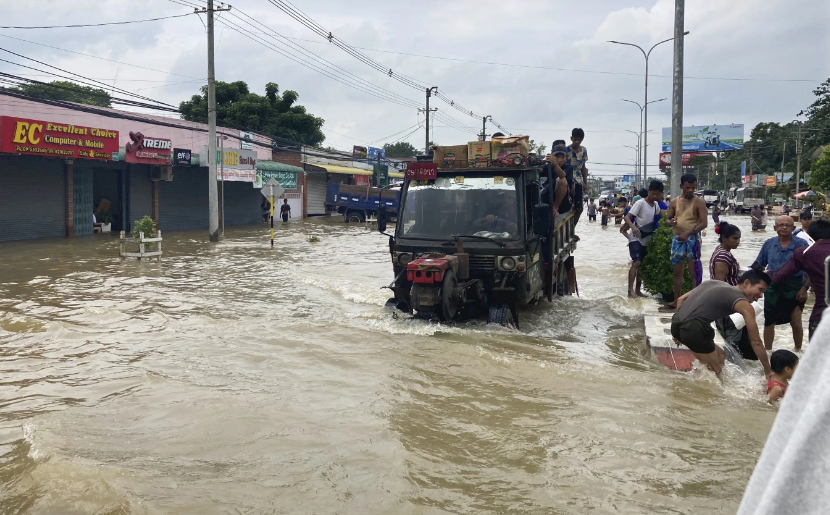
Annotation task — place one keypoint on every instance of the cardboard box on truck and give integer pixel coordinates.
(506, 146)
(450, 156)
(478, 153)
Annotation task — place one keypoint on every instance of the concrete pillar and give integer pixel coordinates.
(155, 194)
(70, 197)
(305, 193)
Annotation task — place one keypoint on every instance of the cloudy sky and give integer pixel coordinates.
(742, 57)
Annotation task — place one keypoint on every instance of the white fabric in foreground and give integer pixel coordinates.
(793, 474)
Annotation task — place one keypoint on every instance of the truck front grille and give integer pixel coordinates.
(480, 264)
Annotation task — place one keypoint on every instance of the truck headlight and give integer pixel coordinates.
(507, 263)
(404, 258)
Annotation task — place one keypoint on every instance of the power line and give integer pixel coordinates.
(19, 81)
(551, 68)
(123, 91)
(93, 24)
(349, 80)
(97, 57)
(295, 13)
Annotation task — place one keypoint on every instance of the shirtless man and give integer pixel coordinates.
(686, 216)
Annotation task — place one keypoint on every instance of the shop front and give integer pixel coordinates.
(239, 201)
(47, 173)
(287, 176)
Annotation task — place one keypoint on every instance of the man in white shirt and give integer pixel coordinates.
(805, 218)
(641, 221)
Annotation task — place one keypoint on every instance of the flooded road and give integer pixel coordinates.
(230, 378)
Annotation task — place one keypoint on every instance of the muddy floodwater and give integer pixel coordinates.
(232, 378)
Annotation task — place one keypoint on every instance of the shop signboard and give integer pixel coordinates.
(148, 150)
(287, 180)
(246, 140)
(361, 180)
(235, 165)
(770, 181)
(376, 154)
(52, 139)
(359, 152)
(708, 138)
(182, 157)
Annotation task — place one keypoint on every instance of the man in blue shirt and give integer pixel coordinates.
(783, 301)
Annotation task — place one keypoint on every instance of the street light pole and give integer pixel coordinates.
(645, 102)
(641, 174)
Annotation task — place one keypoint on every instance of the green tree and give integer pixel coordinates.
(400, 149)
(818, 119)
(68, 91)
(820, 178)
(538, 149)
(274, 114)
(656, 271)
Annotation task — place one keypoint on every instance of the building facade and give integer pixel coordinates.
(60, 166)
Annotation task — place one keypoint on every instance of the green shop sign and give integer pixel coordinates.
(287, 180)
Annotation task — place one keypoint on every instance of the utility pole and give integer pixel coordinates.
(797, 160)
(427, 111)
(783, 156)
(213, 200)
(483, 136)
(677, 100)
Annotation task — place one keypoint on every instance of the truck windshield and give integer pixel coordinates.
(470, 206)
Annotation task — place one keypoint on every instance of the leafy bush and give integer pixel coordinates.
(145, 225)
(656, 271)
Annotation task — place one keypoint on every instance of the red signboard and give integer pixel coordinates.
(148, 150)
(52, 139)
(361, 180)
(665, 159)
(422, 171)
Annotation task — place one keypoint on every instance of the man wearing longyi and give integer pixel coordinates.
(713, 300)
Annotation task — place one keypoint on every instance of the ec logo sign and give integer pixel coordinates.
(24, 132)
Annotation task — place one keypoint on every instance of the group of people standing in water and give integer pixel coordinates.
(788, 266)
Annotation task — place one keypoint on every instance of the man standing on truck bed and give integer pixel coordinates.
(575, 166)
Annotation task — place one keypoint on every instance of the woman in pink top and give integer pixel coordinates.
(723, 266)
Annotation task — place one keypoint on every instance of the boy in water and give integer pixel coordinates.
(783, 364)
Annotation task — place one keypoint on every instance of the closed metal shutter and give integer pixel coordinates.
(141, 194)
(316, 184)
(183, 202)
(242, 204)
(32, 198)
(82, 185)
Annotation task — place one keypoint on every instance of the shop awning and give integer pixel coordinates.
(397, 175)
(346, 170)
(273, 166)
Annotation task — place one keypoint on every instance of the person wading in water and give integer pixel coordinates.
(686, 216)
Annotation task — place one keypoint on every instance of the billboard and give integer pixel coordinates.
(770, 180)
(708, 138)
(665, 159)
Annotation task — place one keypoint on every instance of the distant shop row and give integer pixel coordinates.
(63, 167)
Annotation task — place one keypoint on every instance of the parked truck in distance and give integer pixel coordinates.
(359, 203)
